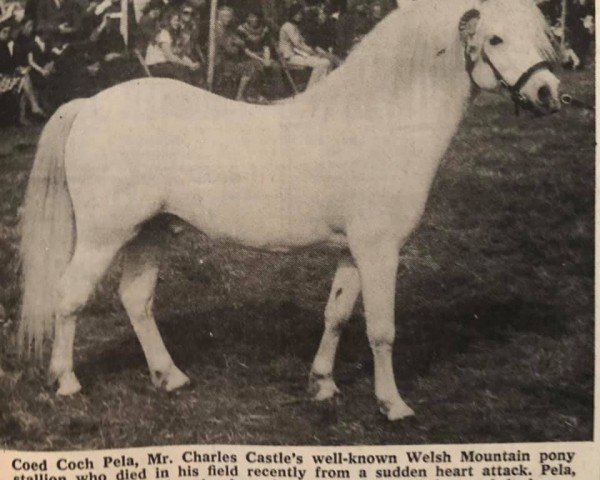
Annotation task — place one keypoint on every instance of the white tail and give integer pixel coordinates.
(47, 230)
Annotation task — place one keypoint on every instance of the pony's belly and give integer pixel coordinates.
(267, 233)
(266, 225)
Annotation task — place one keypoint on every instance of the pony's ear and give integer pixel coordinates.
(468, 24)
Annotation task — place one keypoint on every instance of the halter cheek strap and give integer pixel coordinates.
(518, 99)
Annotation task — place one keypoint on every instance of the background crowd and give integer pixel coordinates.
(54, 50)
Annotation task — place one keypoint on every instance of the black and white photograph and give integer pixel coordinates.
(296, 223)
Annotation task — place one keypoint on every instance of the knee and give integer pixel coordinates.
(334, 318)
(381, 337)
(136, 302)
(338, 312)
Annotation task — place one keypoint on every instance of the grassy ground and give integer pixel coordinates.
(495, 316)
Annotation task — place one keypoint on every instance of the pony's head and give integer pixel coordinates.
(507, 46)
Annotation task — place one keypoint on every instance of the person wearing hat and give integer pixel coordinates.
(15, 83)
(297, 52)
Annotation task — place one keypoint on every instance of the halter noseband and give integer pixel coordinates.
(516, 96)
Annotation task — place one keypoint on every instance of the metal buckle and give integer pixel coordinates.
(566, 99)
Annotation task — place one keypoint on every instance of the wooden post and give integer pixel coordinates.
(210, 75)
(124, 25)
(563, 23)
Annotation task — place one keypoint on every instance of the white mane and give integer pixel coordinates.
(412, 58)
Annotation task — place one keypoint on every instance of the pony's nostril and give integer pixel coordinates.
(544, 94)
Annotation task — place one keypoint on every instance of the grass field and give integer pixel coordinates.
(495, 336)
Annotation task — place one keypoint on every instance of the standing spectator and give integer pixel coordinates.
(297, 52)
(345, 31)
(578, 35)
(111, 64)
(161, 56)
(258, 50)
(23, 42)
(31, 7)
(94, 14)
(551, 10)
(15, 83)
(230, 57)
(148, 25)
(58, 20)
(41, 60)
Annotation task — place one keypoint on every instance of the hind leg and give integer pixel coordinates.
(344, 291)
(87, 266)
(140, 271)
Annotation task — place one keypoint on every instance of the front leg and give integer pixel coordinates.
(377, 261)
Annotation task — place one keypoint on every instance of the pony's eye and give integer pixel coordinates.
(495, 40)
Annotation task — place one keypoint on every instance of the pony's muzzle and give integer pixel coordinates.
(547, 101)
(542, 91)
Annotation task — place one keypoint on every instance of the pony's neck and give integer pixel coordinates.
(409, 71)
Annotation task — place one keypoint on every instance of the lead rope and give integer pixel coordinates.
(567, 99)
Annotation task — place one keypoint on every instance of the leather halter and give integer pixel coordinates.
(516, 96)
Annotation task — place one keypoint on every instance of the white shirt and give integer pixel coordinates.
(291, 40)
(154, 53)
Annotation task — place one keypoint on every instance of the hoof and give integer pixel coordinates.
(322, 387)
(395, 410)
(170, 380)
(68, 385)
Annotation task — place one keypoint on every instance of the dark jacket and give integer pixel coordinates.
(52, 13)
(8, 63)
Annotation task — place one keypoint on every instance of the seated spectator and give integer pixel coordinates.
(230, 56)
(362, 22)
(189, 37)
(322, 37)
(297, 52)
(254, 34)
(258, 50)
(15, 83)
(7, 10)
(18, 17)
(376, 14)
(161, 56)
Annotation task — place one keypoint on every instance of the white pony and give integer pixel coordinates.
(348, 163)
